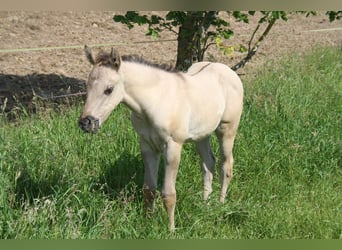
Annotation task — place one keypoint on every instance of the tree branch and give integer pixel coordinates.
(253, 51)
(252, 37)
(203, 26)
(167, 26)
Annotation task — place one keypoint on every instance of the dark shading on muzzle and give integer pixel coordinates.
(88, 124)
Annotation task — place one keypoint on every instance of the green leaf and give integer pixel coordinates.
(129, 25)
(218, 41)
(152, 32)
(218, 22)
(227, 34)
(229, 50)
(174, 23)
(148, 32)
(283, 15)
(142, 20)
(123, 20)
(119, 18)
(155, 34)
(265, 17)
(155, 19)
(131, 15)
(242, 48)
(177, 16)
(276, 14)
(334, 15)
(239, 16)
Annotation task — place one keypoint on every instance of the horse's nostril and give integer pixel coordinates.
(83, 122)
(88, 124)
(86, 121)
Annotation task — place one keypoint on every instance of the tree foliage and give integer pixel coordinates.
(191, 28)
(197, 30)
(334, 15)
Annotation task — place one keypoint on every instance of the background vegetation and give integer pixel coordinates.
(57, 182)
(197, 30)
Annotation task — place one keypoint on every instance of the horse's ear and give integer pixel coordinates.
(89, 55)
(116, 59)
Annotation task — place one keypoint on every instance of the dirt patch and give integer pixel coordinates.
(60, 71)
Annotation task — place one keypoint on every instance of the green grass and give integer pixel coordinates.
(58, 182)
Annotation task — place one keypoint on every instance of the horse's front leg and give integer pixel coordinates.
(151, 164)
(172, 154)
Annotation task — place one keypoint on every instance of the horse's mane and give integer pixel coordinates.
(105, 59)
(141, 60)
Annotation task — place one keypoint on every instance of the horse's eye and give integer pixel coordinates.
(108, 90)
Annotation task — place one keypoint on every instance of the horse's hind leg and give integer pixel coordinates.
(207, 164)
(226, 135)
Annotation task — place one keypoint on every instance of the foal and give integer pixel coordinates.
(168, 109)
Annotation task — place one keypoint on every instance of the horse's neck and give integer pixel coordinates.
(141, 84)
(137, 75)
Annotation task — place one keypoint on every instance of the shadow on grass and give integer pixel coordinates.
(235, 217)
(28, 188)
(24, 94)
(123, 178)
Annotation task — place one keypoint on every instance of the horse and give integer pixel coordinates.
(169, 108)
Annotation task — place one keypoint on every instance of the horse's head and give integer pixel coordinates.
(104, 89)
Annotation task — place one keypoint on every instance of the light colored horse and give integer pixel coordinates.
(168, 109)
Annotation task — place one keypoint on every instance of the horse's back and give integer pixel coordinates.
(227, 76)
(214, 94)
(231, 88)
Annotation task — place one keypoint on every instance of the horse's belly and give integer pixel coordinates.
(204, 125)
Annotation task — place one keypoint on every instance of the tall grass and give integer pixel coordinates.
(58, 182)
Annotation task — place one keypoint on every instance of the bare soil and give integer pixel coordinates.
(25, 75)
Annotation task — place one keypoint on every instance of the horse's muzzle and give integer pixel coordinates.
(88, 124)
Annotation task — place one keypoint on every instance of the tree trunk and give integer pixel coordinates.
(185, 49)
(190, 38)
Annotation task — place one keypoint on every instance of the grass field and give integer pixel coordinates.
(58, 182)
